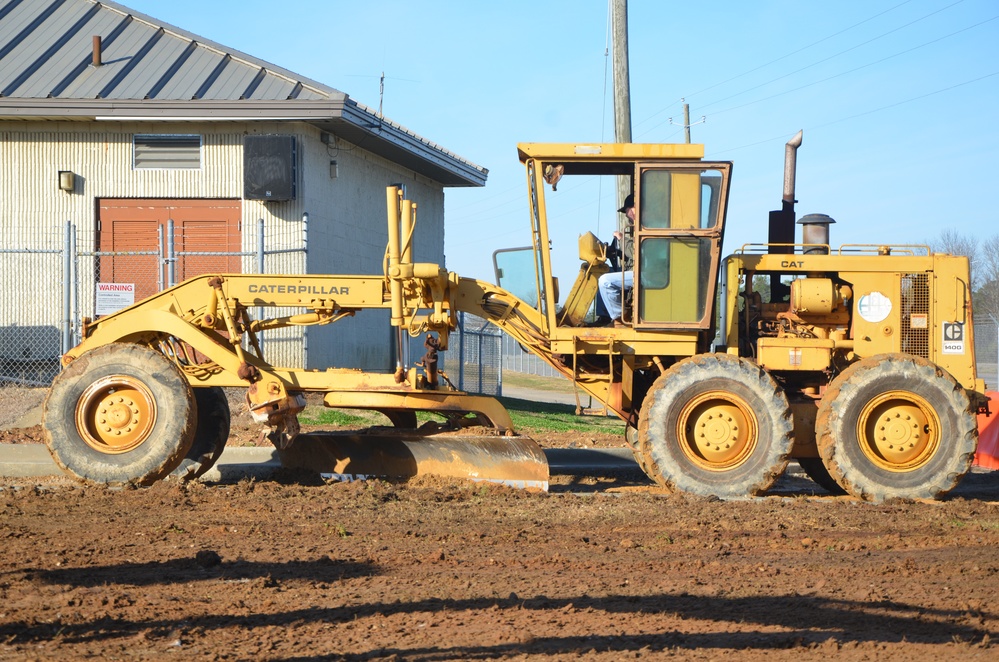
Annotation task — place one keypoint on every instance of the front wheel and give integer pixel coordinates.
(896, 425)
(716, 424)
(121, 413)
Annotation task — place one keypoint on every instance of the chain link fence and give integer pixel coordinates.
(48, 288)
(34, 313)
(518, 359)
(987, 351)
(474, 360)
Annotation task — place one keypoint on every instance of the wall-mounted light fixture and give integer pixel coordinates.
(67, 180)
(333, 170)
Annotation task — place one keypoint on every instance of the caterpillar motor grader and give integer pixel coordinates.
(857, 361)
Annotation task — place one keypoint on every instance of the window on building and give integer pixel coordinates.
(157, 151)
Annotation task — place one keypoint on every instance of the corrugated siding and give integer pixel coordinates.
(347, 227)
(35, 210)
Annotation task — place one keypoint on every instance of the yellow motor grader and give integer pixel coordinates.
(857, 361)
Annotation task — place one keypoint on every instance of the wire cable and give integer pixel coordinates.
(856, 115)
(855, 69)
(836, 55)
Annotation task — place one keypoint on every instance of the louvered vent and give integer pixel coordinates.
(167, 152)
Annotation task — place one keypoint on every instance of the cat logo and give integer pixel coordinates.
(953, 337)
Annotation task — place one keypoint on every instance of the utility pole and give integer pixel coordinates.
(622, 88)
(686, 122)
(381, 94)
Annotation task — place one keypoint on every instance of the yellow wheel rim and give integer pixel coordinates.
(898, 431)
(717, 431)
(115, 414)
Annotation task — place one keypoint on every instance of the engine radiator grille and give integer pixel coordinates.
(916, 322)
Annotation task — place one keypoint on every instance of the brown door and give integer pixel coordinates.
(130, 225)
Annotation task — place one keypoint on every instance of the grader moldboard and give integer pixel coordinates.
(858, 361)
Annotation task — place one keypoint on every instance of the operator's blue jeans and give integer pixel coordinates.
(611, 286)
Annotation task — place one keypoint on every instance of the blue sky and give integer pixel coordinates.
(897, 99)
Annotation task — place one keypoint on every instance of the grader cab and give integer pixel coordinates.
(858, 361)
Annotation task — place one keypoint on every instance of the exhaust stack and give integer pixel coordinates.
(782, 220)
(790, 167)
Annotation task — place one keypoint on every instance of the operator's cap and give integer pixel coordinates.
(629, 202)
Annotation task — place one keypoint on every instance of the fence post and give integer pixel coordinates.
(479, 354)
(74, 288)
(305, 236)
(996, 322)
(163, 261)
(499, 377)
(67, 305)
(461, 351)
(171, 256)
(260, 246)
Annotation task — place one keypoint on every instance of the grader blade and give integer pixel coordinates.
(514, 461)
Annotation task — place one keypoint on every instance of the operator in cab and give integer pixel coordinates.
(613, 284)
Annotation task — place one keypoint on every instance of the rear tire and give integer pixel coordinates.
(716, 424)
(896, 425)
(210, 435)
(121, 413)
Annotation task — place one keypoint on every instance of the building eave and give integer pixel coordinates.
(339, 116)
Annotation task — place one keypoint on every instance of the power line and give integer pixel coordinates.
(834, 56)
(479, 201)
(782, 57)
(855, 69)
(856, 115)
(803, 48)
(910, 100)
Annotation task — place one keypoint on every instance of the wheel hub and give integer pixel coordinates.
(717, 430)
(899, 431)
(115, 414)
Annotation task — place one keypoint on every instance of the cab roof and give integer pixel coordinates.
(607, 151)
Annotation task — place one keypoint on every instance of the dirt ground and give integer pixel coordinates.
(292, 568)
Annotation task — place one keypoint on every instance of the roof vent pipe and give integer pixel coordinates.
(97, 50)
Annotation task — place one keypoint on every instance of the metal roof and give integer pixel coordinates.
(153, 71)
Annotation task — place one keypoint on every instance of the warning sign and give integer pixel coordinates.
(112, 297)
(953, 337)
